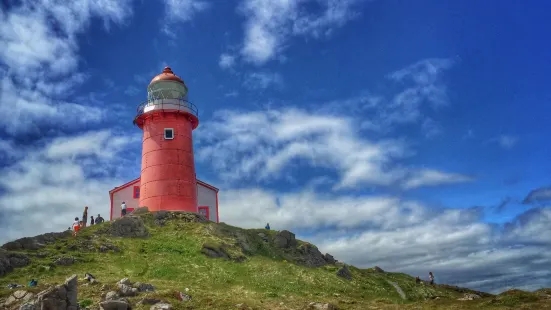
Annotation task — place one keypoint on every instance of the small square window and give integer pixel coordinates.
(169, 133)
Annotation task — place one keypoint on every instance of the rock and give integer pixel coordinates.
(161, 215)
(469, 296)
(112, 295)
(215, 251)
(141, 210)
(114, 305)
(107, 246)
(127, 290)
(72, 290)
(35, 243)
(28, 306)
(64, 261)
(378, 269)
(17, 297)
(144, 287)
(125, 281)
(149, 301)
(183, 296)
(320, 306)
(9, 261)
(344, 272)
(104, 287)
(310, 256)
(329, 258)
(128, 227)
(285, 239)
(161, 306)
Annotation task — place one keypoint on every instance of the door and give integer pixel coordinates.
(204, 210)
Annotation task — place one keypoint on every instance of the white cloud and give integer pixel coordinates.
(427, 177)
(271, 22)
(403, 235)
(38, 46)
(49, 185)
(507, 141)
(181, 11)
(226, 61)
(262, 80)
(132, 90)
(266, 145)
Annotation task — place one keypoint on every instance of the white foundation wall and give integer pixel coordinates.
(207, 197)
(127, 195)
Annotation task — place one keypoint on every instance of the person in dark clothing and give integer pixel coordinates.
(431, 278)
(85, 217)
(417, 280)
(267, 226)
(92, 220)
(99, 219)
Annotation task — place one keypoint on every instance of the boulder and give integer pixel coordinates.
(35, 243)
(63, 296)
(285, 239)
(112, 295)
(128, 227)
(215, 251)
(64, 261)
(469, 296)
(127, 290)
(114, 305)
(27, 306)
(144, 287)
(320, 306)
(310, 256)
(344, 272)
(161, 306)
(18, 297)
(378, 269)
(125, 281)
(329, 258)
(9, 261)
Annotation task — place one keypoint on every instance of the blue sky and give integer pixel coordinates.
(405, 134)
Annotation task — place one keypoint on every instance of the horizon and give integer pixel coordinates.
(387, 133)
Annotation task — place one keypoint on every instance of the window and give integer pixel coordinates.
(169, 133)
(136, 192)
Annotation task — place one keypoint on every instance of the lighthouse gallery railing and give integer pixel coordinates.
(171, 104)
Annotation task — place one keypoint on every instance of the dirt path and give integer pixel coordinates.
(398, 289)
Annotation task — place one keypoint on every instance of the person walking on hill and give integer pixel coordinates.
(85, 216)
(76, 226)
(99, 219)
(91, 220)
(123, 208)
(431, 278)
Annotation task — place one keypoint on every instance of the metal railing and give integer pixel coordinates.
(172, 104)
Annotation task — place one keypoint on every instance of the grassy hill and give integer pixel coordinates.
(177, 252)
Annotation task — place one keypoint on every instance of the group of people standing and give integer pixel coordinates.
(77, 224)
(431, 279)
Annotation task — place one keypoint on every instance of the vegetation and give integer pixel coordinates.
(171, 259)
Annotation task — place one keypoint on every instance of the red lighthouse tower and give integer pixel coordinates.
(167, 118)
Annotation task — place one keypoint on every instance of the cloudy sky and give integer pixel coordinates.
(405, 134)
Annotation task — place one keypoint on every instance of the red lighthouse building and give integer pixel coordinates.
(167, 179)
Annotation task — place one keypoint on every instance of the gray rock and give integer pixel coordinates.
(161, 215)
(27, 306)
(144, 287)
(320, 306)
(378, 269)
(64, 261)
(344, 272)
(127, 290)
(125, 281)
(9, 261)
(19, 260)
(129, 227)
(329, 258)
(111, 295)
(35, 243)
(310, 256)
(114, 305)
(184, 297)
(71, 284)
(18, 297)
(161, 306)
(215, 251)
(469, 296)
(285, 239)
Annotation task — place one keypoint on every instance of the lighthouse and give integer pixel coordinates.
(167, 177)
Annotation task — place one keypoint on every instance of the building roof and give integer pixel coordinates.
(118, 188)
(167, 75)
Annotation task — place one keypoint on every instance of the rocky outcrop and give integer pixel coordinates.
(320, 306)
(9, 261)
(344, 272)
(18, 297)
(329, 258)
(59, 297)
(114, 305)
(35, 243)
(310, 256)
(64, 261)
(215, 250)
(285, 239)
(469, 296)
(127, 227)
(161, 217)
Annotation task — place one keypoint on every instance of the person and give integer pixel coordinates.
(431, 278)
(417, 280)
(99, 219)
(123, 208)
(85, 216)
(91, 220)
(267, 226)
(76, 226)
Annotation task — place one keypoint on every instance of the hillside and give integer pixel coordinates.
(182, 260)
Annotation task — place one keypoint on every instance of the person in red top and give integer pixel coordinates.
(76, 226)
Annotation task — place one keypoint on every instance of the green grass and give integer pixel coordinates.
(171, 260)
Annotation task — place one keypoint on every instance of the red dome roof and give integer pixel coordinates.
(167, 75)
